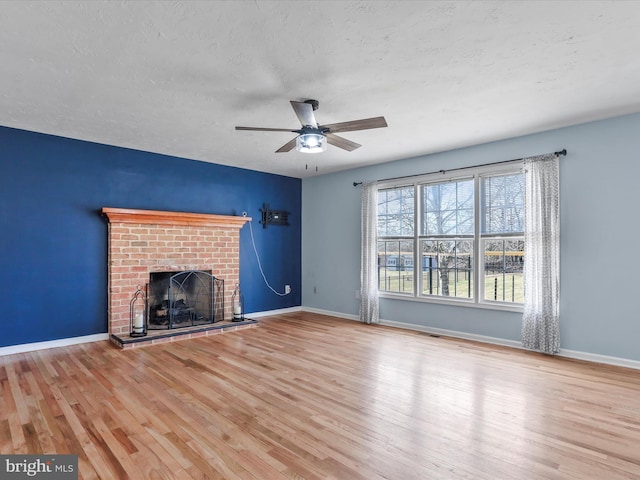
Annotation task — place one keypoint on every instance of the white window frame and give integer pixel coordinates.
(478, 238)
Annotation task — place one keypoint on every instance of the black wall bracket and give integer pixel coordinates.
(273, 217)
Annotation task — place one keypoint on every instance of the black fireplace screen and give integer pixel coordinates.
(184, 299)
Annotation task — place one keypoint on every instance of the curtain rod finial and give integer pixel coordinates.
(355, 184)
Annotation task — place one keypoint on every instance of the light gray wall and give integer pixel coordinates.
(600, 261)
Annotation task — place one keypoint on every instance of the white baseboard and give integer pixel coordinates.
(331, 314)
(594, 357)
(454, 333)
(273, 312)
(63, 342)
(574, 354)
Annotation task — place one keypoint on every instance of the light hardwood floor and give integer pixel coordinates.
(306, 396)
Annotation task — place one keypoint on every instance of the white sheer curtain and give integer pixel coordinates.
(369, 306)
(541, 320)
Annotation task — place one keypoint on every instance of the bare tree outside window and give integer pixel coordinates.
(447, 219)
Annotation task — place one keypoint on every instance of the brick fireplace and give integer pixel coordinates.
(145, 241)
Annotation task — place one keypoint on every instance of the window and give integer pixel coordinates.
(396, 224)
(502, 204)
(454, 239)
(446, 238)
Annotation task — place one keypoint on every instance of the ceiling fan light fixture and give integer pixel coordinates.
(311, 143)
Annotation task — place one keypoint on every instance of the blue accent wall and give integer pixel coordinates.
(53, 238)
(599, 227)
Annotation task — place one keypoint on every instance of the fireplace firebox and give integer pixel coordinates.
(184, 299)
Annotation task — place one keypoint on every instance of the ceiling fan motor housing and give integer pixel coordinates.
(314, 103)
(308, 129)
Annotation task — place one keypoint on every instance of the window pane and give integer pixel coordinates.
(503, 262)
(395, 266)
(502, 203)
(447, 208)
(447, 268)
(395, 212)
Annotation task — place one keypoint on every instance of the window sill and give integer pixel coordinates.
(455, 303)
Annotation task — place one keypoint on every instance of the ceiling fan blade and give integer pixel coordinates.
(261, 129)
(304, 112)
(364, 124)
(287, 147)
(341, 142)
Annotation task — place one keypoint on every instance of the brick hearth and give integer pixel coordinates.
(144, 241)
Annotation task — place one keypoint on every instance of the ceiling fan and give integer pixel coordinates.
(313, 137)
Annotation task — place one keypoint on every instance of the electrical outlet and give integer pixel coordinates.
(287, 289)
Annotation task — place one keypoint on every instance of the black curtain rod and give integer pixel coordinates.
(560, 153)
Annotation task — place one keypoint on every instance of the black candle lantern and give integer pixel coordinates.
(237, 303)
(138, 314)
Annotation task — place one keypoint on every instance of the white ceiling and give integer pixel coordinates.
(175, 77)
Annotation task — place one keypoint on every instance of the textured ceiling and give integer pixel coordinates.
(175, 77)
